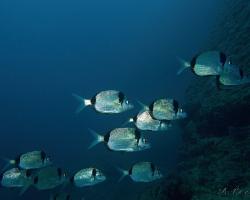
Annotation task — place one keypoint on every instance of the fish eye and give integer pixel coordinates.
(126, 101)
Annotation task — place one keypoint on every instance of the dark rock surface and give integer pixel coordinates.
(215, 158)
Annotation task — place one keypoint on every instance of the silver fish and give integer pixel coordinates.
(88, 177)
(108, 102)
(49, 178)
(166, 109)
(122, 139)
(205, 64)
(232, 75)
(142, 172)
(16, 178)
(144, 121)
(30, 160)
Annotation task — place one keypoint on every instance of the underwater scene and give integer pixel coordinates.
(125, 100)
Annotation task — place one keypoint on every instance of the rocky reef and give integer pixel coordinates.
(214, 161)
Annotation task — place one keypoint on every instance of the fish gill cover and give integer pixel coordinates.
(51, 49)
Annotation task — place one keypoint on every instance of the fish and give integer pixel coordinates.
(49, 178)
(122, 139)
(16, 178)
(142, 172)
(88, 177)
(144, 121)
(107, 102)
(208, 63)
(165, 109)
(29, 160)
(232, 75)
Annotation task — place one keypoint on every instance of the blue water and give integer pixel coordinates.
(50, 49)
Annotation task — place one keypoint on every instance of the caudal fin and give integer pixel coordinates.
(123, 172)
(143, 106)
(83, 102)
(97, 139)
(8, 163)
(246, 80)
(25, 188)
(129, 121)
(184, 65)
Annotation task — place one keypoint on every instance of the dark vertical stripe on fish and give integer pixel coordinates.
(121, 97)
(241, 74)
(59, 172)
(176, 106)
(193, 63)
(17, 160)
(43, 156)
(130, 171)
(151, 106)
(1, 178)
(94, 172)
(135, 118)
(106, 137)
(93, 100)
(36, 180)
(223, 58)
(137, 134)
(28, 173)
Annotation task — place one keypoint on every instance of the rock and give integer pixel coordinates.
(215, 155)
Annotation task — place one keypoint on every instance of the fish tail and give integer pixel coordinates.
(246, 79)
(143, 106)
(184, 65)
(25, 188)
(127, 122)
(64, 185)
(123, 172)
(83, 103)
(97, 139)
(8, 162)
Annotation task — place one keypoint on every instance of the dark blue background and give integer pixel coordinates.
(51, 48)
